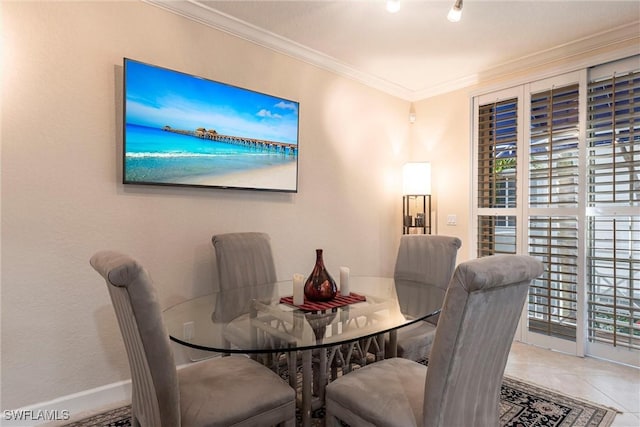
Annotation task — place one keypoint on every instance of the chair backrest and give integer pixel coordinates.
(424, 260)
(156, 396)
(478, 321)
(246, 271)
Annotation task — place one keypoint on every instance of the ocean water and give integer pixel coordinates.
(154, 155)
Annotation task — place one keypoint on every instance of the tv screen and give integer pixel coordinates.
(185, 130)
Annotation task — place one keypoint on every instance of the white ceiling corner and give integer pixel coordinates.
(271, 24)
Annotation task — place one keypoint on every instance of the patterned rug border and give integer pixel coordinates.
(595, 415)
(610, 412)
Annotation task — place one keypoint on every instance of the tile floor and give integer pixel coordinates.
(598, 381)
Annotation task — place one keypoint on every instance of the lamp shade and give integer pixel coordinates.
(416, 178)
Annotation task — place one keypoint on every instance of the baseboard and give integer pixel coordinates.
(71, 407)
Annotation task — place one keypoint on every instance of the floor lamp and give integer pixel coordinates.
(416, 198)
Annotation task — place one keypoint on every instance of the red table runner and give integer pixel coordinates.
(338, 301)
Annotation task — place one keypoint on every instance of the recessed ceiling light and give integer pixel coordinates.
(455, 13)
(393, 6)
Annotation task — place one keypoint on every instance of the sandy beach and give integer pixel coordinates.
(280, 177)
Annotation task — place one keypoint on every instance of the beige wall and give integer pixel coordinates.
(441, 135)
(62, 200)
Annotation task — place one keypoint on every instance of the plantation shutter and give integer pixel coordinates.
(557, 175)
(613, 198)
(553, 167)
(553, 297)
(497, 138)
(554, 153)
(496, 235)
(613, 136)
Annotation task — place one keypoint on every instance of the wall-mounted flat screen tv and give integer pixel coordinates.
(184, 130)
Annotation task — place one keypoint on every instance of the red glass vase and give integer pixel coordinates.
(320, 286)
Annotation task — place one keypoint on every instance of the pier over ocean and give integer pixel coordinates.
(284, 147)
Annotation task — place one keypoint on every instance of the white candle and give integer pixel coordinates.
(344, 281)
(298, 289)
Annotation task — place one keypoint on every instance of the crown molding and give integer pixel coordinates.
(598, 49)
(196, 11)
(201, 13)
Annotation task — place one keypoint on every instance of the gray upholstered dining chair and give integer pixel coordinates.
(246, 271)
(224, 391)
(461, 386)
(423, 261)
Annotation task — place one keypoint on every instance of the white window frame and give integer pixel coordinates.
(597, 349)
(522, 212)
(578, 347)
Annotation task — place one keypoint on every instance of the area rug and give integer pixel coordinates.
(521, 405)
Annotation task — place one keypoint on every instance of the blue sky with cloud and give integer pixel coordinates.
(158, 97)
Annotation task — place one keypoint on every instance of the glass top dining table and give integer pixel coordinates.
(268, 322)
(264, 322)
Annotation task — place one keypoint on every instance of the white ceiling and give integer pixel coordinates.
(417, 52)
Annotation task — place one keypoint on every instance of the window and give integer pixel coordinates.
(614, 135)
(496, 235)
(613, 242)
(553, 297)
(497, 180)
(497, 124)
(557, 176)
(554, 159)
(614, 281)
